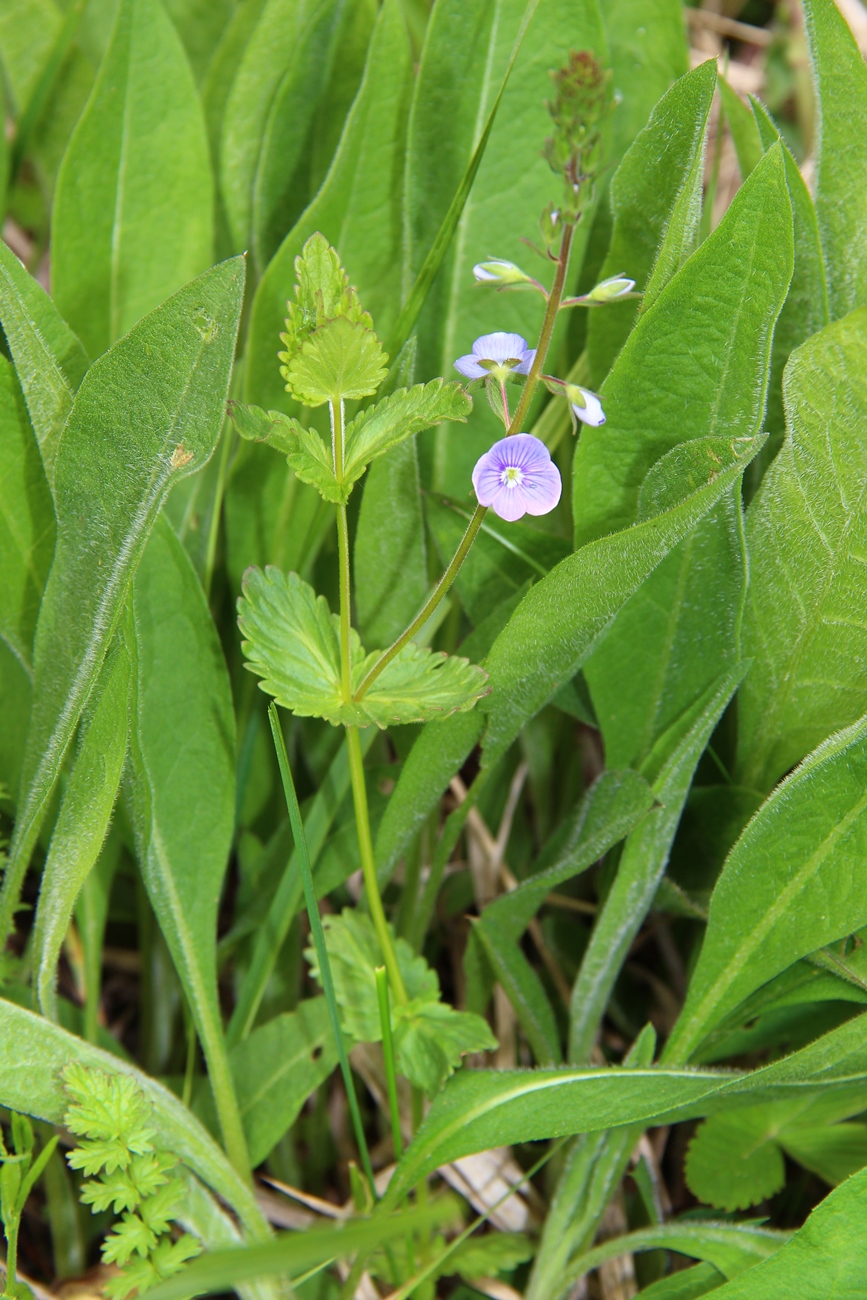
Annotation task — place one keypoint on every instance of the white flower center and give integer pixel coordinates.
(512, 476)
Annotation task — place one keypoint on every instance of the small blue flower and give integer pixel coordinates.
(517, 477)
(497, 355)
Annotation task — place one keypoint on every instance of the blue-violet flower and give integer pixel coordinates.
(517, 477)
(498, 355)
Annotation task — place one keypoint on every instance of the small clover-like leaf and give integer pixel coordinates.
(291, 641)
(733, 1161)
(341, 360)
(399, 415)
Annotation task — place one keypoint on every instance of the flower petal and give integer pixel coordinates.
(499, 347)
(527, 359)
(470, 367)
(539, 488)
(591, 413)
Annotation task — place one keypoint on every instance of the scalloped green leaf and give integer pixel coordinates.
(407, 411)
(733, 1162)
(338, 362)
(292, 643)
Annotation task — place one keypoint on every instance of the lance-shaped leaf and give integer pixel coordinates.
(133, 215)
(792, 883)
(805, 624)
(33, 1051)
(83, 820)
(730, 1247)
(562, 618)
(26, 520)
(656, 206)
(292, 643)
(182, 758)
(147, 413)
(841, 153)
(49, 359)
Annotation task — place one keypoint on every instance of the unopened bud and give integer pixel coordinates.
(617, 286)
(498, 271)
(586, 405)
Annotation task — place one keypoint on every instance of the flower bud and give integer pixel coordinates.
(617, 286)
(498, 271)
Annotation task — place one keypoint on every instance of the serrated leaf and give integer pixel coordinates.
(399, 415)
(732, 1163)
(255, 425)
(107, 1107)
(161, 1207)
(322, 293)
(292, 643)
(486, 1256)
(129, 1237)
(430, 1038)
(340, 361)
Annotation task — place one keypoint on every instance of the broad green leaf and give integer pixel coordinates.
(26, 520)
(687, 1284)
(656, 205)
(481, 1109)
(646, 675)
(731, 1164)
(276, 1068)
(806, 307)
(389, 556)
(200, 25)
(467, 49)
(743, 128)
(562, 618)
(829, 1251)
(49, 360)
(15, 695)
(84, 816)
(648, 48)
(804, 624)
(790, 885)
(834, 1151)
(182, 756)
(841, 153)
(356, 209)
(33, 1051)
(398, 416)
(607, 813)
(729, 1247)
(720, 326)
(340, 361)
(91, 918)
(133, 214)
(136, 427)
(300, 1253)
(270, 109)
(430, 1037)
(503, 558)
(292, 643)
(670, 767)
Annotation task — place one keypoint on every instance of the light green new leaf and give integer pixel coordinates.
(83, 819)
(480, 1109)
(830, 1251)
(730, 1247)
(841, 153)
(340, 361)
(805, 623)
(562, 618)
(270, 108)
(133, 213)
(322, 294)
(670, 767)
(49, 359)
(26, 520)
(357, 208)
(182, 752)
(33, 1051)
(399, 415)
(792, 883)
(731, 292)
(292, 643)
(656, 207)
(147, 414)
(430, 1037)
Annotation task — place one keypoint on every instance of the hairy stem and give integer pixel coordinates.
(368, 866)
(555, 299)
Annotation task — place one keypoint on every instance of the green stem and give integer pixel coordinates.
(368, 865)
(11, 1257)
(388, 1054)
(555, 299)
(319, 937)
(225, 1099)
(336, 410)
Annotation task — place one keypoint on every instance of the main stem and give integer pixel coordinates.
(356, 759)
(555, 298)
